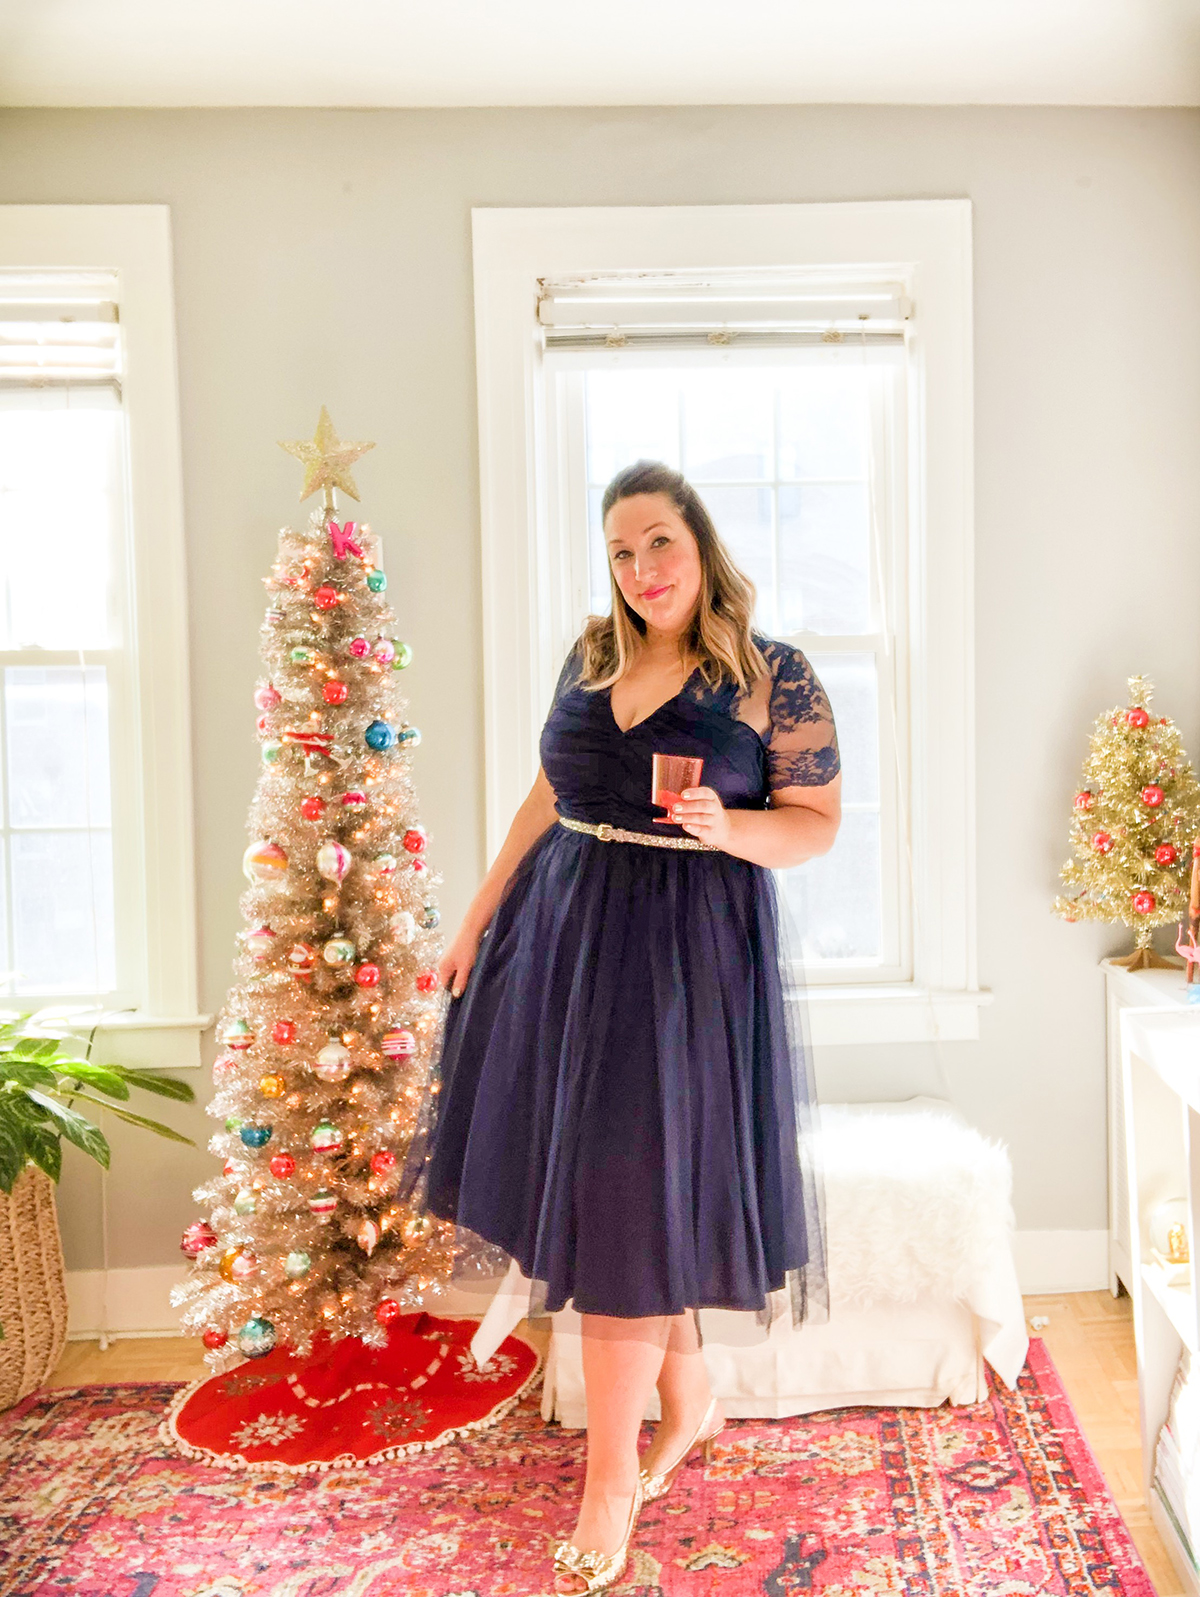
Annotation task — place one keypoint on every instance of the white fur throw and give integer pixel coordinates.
(917, 1203)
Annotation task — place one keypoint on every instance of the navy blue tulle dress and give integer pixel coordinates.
(623, 1107)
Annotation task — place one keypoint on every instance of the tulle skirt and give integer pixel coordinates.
(624, 1094)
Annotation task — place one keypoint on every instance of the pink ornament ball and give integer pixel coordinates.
(382, 1161)
(367, 975)
(260, 942)
(415, 840)
(197, 1239)
(1152, 796)
(224, 1062)
(266, 697)
(387, 1310)
(334, 860)
(1144, 903)
(399, 1043)
(385, 651)
(359, 648)
(282, 1166)
(214, 1338)
(354, 800)
(1137, 716)
(427, 981)
(326, 597)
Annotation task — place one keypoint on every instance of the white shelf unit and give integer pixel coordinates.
(1159, 1079)
(1126, 989)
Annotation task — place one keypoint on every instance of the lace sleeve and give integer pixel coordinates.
(569, 675)
(802, 746)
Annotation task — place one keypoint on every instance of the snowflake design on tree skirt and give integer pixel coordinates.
(394, 1418)
(268, 1428)
(496, 1368)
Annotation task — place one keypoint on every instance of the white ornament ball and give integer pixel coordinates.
(333, 1062)
(333, 861)
(404, 926)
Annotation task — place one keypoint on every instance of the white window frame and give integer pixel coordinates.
(157, 970)
(528, 579)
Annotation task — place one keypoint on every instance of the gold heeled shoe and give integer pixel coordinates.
(658, 1485)
(599, 1569)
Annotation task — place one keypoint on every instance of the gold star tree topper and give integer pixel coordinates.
(327, 460)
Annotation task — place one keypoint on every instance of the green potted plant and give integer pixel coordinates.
(42, 1082)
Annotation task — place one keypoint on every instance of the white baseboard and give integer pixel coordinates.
(139, 1301)
(1061, 1261)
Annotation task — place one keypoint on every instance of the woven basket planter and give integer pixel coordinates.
(33, 1286)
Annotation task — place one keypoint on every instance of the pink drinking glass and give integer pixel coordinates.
(670, 775)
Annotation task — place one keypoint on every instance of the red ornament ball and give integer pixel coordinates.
(383, 1161)
(228, 1167)
(387, 1310)
(197, 1239)
(1144, 902)
(367, 975)
(1137, 716)
(415, 840)
(282, 1166)
(1084, 800)
(1102, 843)
(325, 598)
(262, 723)
(335, 692)
(427, 981)
(1166, 854)
(214, 1338)
(283, 1032)
(1153, 796)
(312, 808)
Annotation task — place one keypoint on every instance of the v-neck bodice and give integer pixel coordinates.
(600, 772)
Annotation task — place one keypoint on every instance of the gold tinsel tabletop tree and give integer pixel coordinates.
(1135, 817)
(324, 1079)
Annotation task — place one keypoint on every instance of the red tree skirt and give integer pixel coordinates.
(346, 1404)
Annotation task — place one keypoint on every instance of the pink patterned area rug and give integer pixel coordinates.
(1002, 1499)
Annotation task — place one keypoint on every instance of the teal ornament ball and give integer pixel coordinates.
(379, 735)
(245, 1202)
(256, 1338)
(408, 737)
(376, 581)
(255, 1136)
(296, 1265)
(430, 917)
(403, 657)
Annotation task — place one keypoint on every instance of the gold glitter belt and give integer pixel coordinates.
(618, 834)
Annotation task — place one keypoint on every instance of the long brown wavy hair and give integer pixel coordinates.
(719, 637)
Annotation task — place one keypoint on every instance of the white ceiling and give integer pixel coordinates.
(598, 52)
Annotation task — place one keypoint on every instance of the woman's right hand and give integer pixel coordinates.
(456, 962)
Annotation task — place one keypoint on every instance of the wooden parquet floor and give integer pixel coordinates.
(1089, 1335)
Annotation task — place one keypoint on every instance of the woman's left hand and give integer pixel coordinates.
(704, 816)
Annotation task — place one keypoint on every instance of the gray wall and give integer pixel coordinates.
(324, 257)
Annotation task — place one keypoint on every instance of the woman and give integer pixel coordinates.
(618, 1105)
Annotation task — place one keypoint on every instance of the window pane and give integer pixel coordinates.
(823, 422)
(834, 902)
(743, 519)
(62, 911)
(851, 681)
(57, 724)
(58, 500)
(598, 581)
(631, 415)
(728, 426)
(824, 558)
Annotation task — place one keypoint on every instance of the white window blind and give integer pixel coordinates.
(65, 719)
(744, 310)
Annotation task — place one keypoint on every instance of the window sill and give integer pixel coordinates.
(147, 1042)
(893, 1014)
